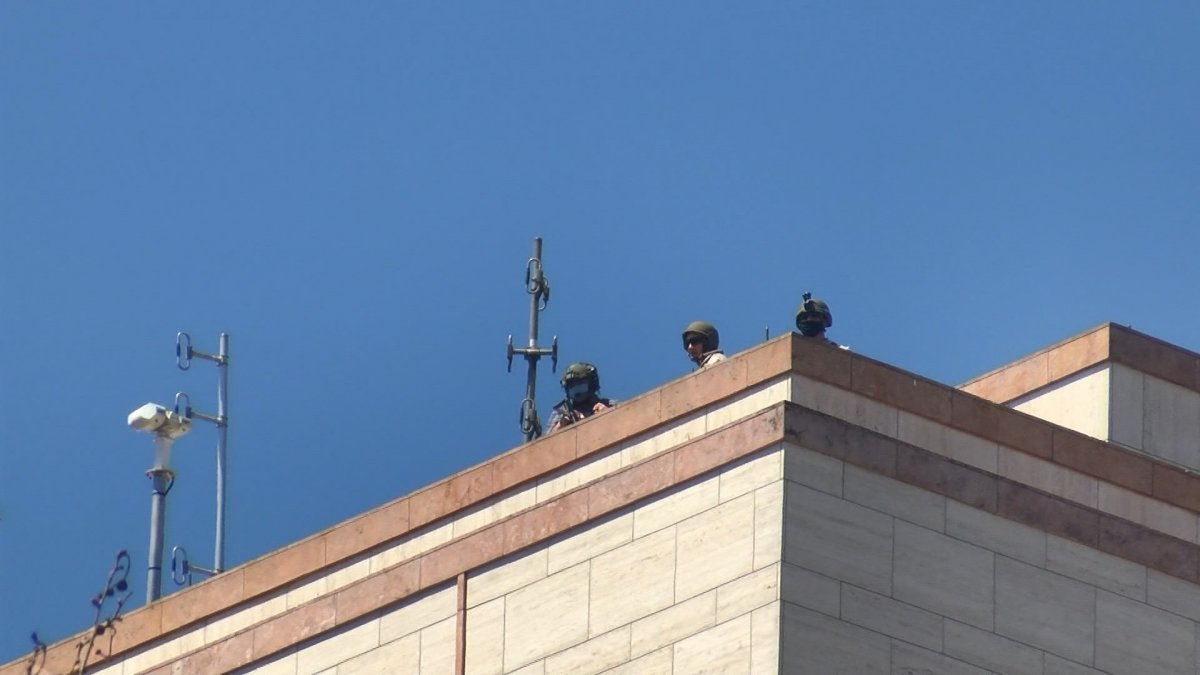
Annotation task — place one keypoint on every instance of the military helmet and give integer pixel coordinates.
(581, 370)
(814, 307)
(712, 339)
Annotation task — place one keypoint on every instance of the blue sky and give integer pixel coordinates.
(351, 192)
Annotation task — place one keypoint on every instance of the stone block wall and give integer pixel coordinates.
(684, 582)
(1111, 383)
(879, 576)
(1079, 402)
(1117, 403)
(416, 637)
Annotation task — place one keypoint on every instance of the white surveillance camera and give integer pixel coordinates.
(148, 417)
(156, 419)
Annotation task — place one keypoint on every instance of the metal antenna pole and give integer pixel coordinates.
(531, 354)
(184, 353)
(538, 287)
(222, 433)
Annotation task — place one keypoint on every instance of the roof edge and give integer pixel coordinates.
(1103, 343)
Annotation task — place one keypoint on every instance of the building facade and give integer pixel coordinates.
(794, 509)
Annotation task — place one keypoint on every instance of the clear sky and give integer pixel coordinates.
(351, 191)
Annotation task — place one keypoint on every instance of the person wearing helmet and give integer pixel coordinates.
(812, 318)
(581, 384)
(702, 343)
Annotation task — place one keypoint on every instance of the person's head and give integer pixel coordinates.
(813, 317)
(700, 338)
(581, 383)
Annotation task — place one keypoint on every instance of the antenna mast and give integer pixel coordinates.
(184, 353)
(538, 287)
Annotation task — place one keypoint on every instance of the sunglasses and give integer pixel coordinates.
(694, 340)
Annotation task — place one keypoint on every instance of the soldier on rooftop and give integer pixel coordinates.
(812, 318)
(581, 384)
(702, 343)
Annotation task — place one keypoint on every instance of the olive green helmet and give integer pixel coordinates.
(712, 339)
(809, 306)
(581, 370)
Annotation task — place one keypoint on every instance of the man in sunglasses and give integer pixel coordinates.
(581, 384)
(702, 343)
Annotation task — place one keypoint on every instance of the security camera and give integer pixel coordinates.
(148, 417)
(155, 419)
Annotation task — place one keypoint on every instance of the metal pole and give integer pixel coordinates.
(538, 287)
(222, 430)
(532, 354)
(161, 478)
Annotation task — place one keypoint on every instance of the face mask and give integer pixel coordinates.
(577, 392)
(811, 328)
